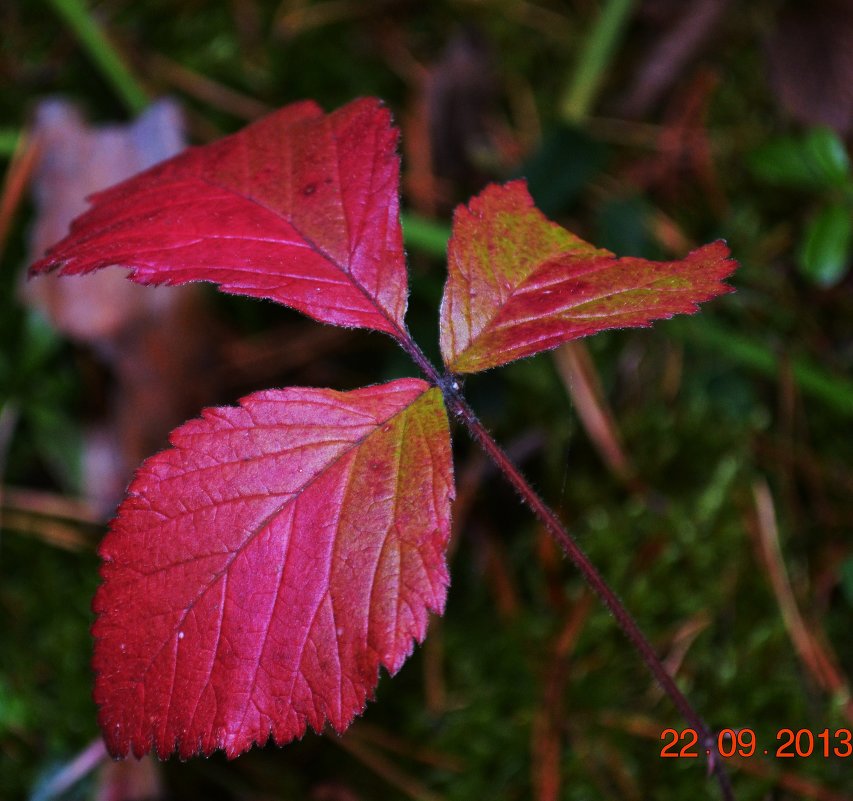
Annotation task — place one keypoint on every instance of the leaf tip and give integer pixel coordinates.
(716, 256)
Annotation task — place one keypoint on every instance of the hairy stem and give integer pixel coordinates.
(459, 407)
(596, 581)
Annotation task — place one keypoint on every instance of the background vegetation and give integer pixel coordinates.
(704, 464)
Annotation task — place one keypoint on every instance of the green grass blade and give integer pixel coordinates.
(102, 53)
(595, 56)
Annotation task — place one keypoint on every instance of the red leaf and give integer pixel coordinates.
(261, 570)
(300, 207)
(518, 284)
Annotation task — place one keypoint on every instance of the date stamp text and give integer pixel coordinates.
(789, 744)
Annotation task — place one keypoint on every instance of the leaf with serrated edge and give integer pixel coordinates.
(300, 207)
(263, 568)
(519, 284)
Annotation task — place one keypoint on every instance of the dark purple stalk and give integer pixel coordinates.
(459, 407)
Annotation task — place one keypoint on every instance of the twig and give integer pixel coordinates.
(53, 532)
(71, 773)
(671, 52)
(214, 93)
(681, 642)
(290, 22)
(580, 379)
(49, 504)
(367, 732)
(8, 422)
(811, 652)
(15, 182)
(386, 769)
(546, 744)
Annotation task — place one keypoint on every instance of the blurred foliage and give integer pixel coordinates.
(704, 412)
(816, 161)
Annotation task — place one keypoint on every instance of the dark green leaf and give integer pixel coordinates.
(824, 255)
(817, 160)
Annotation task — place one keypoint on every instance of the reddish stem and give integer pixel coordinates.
(457, 404)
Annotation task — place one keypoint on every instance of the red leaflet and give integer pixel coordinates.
(263, 568)
(300, 207)
(518, 284)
